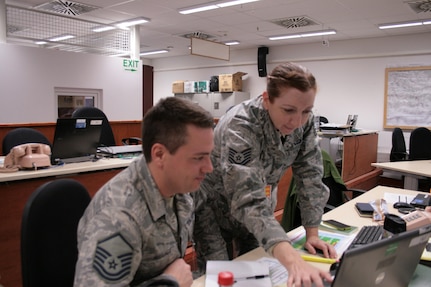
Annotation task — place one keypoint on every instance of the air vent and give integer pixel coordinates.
(199, 35)
(66, 7)
(420, 6)
(295, 22)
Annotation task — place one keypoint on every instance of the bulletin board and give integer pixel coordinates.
(408, 97)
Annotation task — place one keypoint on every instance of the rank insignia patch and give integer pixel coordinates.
(242, 157)
(113, 258)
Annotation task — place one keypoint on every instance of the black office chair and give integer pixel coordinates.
(420, 144)
(107, 136)
(398, 150)
(323, 120)
(338, 195)
(49, 233)
(21, 136)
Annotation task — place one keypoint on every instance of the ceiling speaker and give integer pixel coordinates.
(261, 60)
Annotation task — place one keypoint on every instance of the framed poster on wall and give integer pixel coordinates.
(407, 97)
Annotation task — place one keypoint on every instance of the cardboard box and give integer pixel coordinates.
(230, 82)
(178, 87)
(203, 87)
(190, 87)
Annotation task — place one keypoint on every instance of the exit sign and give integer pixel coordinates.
(131, 65)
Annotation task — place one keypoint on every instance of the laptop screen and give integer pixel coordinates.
(390, 262)
(76, 139)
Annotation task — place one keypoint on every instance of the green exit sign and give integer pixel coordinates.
(130, 65)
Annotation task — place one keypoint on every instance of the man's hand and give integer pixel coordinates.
(181, 271)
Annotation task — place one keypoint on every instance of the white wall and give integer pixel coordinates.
(350, 75)
(28, 77)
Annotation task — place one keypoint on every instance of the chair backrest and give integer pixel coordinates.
(21, 136)
(420, 144)
(337, 196)
(323, 120)
(398, 150)
(49, 233)
(107, 137)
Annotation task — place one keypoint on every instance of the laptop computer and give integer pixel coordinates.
(76, 140)
(121, 150)
(390, 262)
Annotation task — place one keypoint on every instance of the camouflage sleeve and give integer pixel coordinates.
(308, 172)
(109, 250)
(210, 244)
(244, 183)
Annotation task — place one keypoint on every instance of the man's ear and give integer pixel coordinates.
(158, 152)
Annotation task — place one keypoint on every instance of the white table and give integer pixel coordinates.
(422, 272)
(412, 170)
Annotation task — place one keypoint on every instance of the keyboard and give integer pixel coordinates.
(367, 234)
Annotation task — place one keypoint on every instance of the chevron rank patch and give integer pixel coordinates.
(113, 258)
(242, 157)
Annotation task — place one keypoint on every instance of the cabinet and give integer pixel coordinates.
(215, 102)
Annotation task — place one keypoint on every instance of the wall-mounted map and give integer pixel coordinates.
(408, 97)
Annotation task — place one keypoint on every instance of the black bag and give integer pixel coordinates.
(214, 84)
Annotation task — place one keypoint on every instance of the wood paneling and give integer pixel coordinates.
(121, 129)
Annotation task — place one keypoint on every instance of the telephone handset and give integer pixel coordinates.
(28, 156)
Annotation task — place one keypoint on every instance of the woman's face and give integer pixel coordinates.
(291, 109)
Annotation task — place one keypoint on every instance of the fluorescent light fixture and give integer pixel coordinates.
(230, 43)
(303, 35)
(103, 28)
(40, 42)
(153, 52)
(61, 38)
(191, 10)
(132, 22)
(213, 5)
(404, 24)
(233, 3)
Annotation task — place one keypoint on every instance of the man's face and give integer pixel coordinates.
(291, 109)
(185, 170)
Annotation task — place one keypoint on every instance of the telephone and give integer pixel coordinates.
(28, 156)
(417, 219)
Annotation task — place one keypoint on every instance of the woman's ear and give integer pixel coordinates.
(265, 98)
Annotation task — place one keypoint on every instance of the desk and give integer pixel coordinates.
(412, 170)
(15, 188)
(352, 219)
(359, 151)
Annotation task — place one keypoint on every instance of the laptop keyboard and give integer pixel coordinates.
(367, 234)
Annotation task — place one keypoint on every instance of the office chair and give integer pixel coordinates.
(49, 233)
(107, 136)
(21, 136)
(323, 120)
(420, 144)
(338, 195)
(398, 150)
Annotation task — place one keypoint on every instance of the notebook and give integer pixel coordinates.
(76, 139)
(389, 262)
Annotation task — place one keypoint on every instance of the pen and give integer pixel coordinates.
(312, 258)
(251, 277)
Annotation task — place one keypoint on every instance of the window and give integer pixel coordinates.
(70, 99)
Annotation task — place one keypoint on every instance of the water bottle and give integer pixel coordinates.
(225, 279)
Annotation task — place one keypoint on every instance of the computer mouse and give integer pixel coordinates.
(401, 204)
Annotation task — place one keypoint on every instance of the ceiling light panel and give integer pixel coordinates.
(41, 26)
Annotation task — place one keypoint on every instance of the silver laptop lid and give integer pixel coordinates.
(390, 262)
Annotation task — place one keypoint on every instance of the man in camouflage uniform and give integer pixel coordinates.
(136, 229)
(255, 143)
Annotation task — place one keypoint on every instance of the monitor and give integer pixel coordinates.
(76, 139)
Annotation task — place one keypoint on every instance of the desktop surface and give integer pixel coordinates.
(422, 273)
